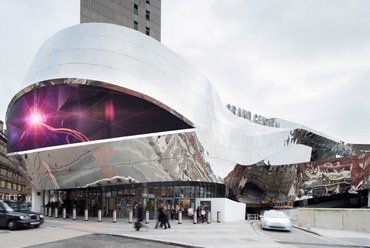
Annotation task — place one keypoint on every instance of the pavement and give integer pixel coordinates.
(234, 234)
(205, 235)
(360, 239)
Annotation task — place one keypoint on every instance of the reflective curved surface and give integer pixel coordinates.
(174, 127)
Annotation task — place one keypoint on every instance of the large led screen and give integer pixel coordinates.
(70, 113)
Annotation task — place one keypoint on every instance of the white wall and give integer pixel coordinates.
(37, 200)
(230, 210)
(338, 218)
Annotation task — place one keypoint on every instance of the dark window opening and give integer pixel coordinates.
(147, 16)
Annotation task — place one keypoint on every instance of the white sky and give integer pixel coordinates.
(303, 61)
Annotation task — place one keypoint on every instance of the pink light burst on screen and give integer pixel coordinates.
(109, 111)
(37, 119)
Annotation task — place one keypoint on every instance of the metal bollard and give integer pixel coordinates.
(218, 217)
(180, 217)
(195, 221)
(99, 215)
(86, 214)
(114, 216)
(64, 213)
(130, 217)
(49, 212)
(45, 211)
(56, 213)
(147, 217)
(209, 217)
(74, 217)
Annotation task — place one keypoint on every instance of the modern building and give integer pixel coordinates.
(13, 185)
(144, 16)
(109, 116)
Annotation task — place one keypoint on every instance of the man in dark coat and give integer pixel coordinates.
(140, 216)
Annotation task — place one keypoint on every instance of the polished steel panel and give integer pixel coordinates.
(121, 59)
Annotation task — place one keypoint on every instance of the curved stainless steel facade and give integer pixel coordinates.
(206, 144)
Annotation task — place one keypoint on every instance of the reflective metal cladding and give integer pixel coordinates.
(104, 103)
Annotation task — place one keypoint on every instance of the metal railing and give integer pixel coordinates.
(252, 217)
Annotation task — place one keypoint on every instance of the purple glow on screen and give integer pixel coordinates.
(70, 113)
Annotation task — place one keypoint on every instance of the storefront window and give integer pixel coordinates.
(188, 192)
(132, 192)
(182, 191)
(192, 193)
(177, 191)
(106, 198)
(163, 192)
(154, 190)
(139, 192)
(170, 192)
(196, 191)
(201, 192)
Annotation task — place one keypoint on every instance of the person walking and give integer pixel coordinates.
(160, 216)
(172, 212)
(140, 216)
(165, 219)
(199, 216)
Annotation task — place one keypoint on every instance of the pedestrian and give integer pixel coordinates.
(160, 216)
(203, 214)
(179, 210)
(199, 216)
(165, 220)
(139, 216)
(172, 212)
(190, 212)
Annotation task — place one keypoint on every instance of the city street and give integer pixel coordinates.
(106, 241)
(302, 239)
(57, 232)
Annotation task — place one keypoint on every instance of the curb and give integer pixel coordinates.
(306, 230)
(148, 239)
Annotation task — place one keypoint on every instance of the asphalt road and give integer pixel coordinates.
(104, 241)
(302, 239)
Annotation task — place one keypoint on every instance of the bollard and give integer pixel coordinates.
(180, 217)
(114, 216)
(99, 215)
(147, 217)
(130, 217)
(195, 221)
(49, 212)
(64, 213)
(74, 214)
(56, 213)
(45, 211)
(209, 217)
(86, 214)
(218, 217)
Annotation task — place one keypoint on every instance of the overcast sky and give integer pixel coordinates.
(304, 61)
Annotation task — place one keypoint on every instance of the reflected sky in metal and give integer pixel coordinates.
(118, 58)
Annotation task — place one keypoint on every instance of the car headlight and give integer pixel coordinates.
(22, 217)
(41, 216)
